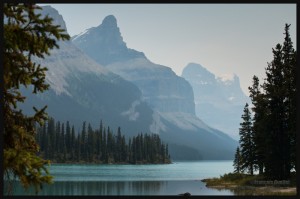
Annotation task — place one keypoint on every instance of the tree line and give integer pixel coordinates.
(59, 143)
(268, 128)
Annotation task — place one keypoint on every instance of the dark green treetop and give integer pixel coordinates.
(26, 35)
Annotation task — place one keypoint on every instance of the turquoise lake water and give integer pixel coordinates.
(161, 179)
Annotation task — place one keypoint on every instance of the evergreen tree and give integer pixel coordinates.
(90, 143)
(83, 142)
(73, 143)
(237, 163)
(68, 137)
(246, 141)
(279, 103)
(43, 137)
(58, 138)
(51, 135)
(142, 148)
(289, 63)
(118, 145)
(100, 147)
(78, 147)
(274, 121)
(259, 123)
(62, 138)
(130, 157)
(104, 142)
(25, 35)
(123, 152)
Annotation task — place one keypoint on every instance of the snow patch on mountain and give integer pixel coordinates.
(131, 112)
(227, 79)
(80, 34)
(69, 60)
(57, 83)
(157, 125)
(185, 121)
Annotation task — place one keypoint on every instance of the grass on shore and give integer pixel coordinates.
(232, 179)
(245, 184)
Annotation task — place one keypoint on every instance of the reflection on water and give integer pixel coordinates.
(121, 188)
(158, 179)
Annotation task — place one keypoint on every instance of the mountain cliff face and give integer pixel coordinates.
(130, 92)
(107, 39)
(219, 100)
(53, 13)
(160, 86)
(82, 90)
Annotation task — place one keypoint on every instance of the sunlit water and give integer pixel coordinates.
(162, 179)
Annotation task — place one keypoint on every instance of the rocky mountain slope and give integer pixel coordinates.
(219, 101)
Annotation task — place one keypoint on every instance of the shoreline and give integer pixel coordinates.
(95, 163)
(241, 189)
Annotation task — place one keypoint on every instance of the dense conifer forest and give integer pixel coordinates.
(60, 143)
(268, 128)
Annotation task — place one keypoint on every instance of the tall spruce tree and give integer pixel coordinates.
(280, 94)
(237, 162)
(246, 141)
(25, 35)
(259, 123)
(274, 96)
(68, 139)
(289, 63)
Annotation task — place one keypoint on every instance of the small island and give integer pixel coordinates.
(60, 144)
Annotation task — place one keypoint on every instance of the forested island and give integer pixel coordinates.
(59, 143)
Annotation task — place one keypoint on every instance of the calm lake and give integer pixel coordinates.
(161, 179)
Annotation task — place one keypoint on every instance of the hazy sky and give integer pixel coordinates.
(224, 38)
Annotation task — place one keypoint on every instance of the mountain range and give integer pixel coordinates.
(95, 76)
(219, 101)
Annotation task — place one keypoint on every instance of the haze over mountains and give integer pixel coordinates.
(82, 90)
(219, 100)
(106, 80)
(160, 86)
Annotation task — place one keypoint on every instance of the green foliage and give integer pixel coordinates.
(26, 35)
(245, 184)
(237, 162)
(100, 146)
(258, 123)
(233, 179)
(274, 122)
(280, 89)
(247, 142)
(289, 62)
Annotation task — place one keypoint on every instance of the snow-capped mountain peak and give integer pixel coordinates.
(228, 79)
